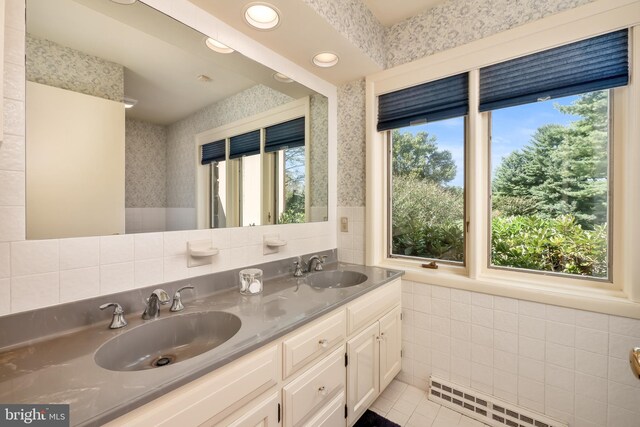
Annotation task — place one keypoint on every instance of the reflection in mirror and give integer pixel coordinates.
(117, 96)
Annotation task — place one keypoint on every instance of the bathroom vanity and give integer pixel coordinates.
(306, 352)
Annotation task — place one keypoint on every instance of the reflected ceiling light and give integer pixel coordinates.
(282, 78)
(325, 59)
(129, 102)
(124, 1)
(262, 16)
(203, 78)
(216, 46)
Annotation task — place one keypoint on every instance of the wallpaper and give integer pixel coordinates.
(319, 152)
(356, 23)
(145, 165)
(59, 66)
(351, 144)
(457, 22)
(180, 137)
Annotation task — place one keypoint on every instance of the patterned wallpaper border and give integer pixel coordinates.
(63, 67)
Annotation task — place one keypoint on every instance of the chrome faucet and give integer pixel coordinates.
(152, 307)
(314, 263)
(177, 305)
(118, 320)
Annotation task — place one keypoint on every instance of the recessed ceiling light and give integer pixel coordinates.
(129, 102)
(124, 1)
(216, 46)
(262, 16)
(282, 78)
(325, 59)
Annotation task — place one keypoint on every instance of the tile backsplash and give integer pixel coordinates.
(569, 364)
(351, 244)
(39, 273)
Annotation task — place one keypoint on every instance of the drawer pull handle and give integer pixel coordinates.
(323, 342)
(322, 390)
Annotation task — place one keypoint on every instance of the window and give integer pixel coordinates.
(538, 193)
(426, 129)
(550, 186)
(427, 191)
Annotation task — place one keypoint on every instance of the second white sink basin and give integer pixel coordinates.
(332, 279)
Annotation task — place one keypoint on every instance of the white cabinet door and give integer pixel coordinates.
(390, 346)
(262, 412)
(362, 372)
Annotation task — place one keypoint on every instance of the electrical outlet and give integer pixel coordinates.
(344, 224)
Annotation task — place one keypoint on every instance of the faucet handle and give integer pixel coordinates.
(320, 262)
(118, 320)
(177, 300)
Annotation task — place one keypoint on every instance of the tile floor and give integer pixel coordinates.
(408, 406)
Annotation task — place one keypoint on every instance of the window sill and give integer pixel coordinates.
(613, 302)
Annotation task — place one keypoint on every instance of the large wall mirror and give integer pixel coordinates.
(135, 124)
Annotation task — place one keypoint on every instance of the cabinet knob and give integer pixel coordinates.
(323, 342)
(322, 390)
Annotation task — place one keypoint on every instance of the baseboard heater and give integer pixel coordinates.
(484, 408)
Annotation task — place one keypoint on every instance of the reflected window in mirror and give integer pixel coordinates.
(285, 162)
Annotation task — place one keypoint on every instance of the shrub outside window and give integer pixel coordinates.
(427, 191)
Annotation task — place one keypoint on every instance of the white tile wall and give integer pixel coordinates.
(35, 274)
(569, 364)
(351, 244)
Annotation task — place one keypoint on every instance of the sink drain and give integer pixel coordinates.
(163, 361)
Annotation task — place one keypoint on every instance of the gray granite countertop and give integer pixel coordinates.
(63, 370)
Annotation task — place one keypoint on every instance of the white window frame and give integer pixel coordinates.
(622, 295)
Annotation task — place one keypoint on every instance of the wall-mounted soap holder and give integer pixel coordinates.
(272, 243)
(200, 252)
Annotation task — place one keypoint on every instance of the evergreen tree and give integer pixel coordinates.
(563, 169)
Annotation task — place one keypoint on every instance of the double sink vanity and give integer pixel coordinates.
(316, 349)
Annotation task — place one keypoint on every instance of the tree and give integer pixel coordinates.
(563, 169)
(419, 155)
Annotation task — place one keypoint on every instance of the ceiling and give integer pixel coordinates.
(303, 32)
(391, 12)
(161, 56)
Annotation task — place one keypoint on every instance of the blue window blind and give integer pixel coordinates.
(284, 135)
(438, 100)
(213, 152)
(244, 145)
(594, 64)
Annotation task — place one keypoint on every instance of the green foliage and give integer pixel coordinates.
(419, 155)
(427, 219)
(294, 211)
(294, 176)
(558, 245)
(563, 169)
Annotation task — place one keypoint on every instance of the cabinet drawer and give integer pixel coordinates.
(372, 306)
(331, 415)
(314, 389)
(312, 342)
(211, 397)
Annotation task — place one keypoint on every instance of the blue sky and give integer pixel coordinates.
(512, 129)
